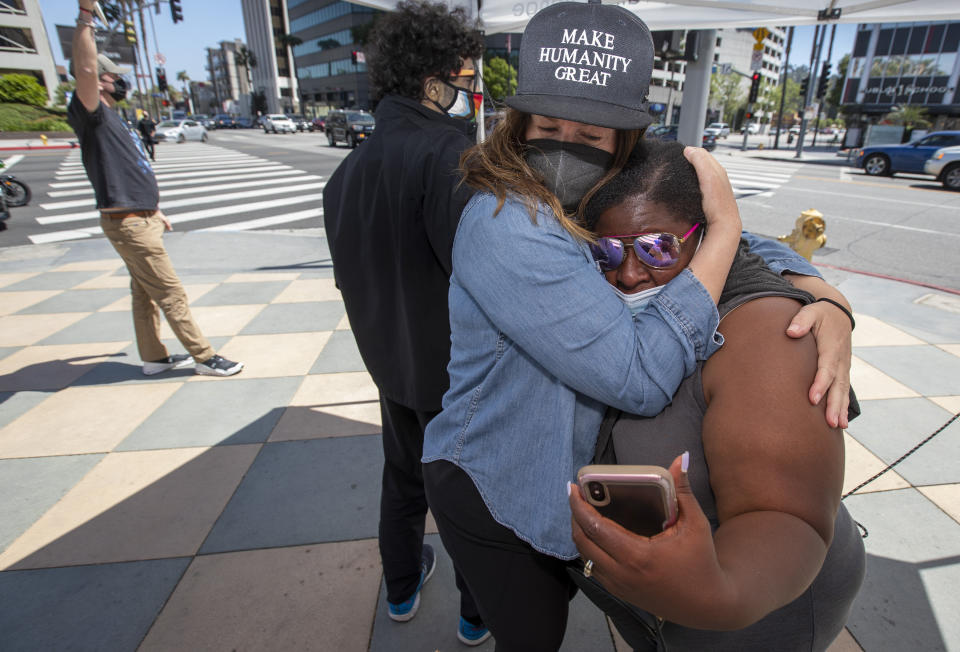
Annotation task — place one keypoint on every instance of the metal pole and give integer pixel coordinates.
(146, 53)
(816, 127)
(138, 63)
(697, 91)
(811, 80)
(783, 91)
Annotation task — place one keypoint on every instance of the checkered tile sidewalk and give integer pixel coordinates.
(187, 512)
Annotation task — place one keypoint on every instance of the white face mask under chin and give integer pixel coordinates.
(638, 300)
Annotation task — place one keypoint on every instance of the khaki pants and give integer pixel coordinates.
(138, 238)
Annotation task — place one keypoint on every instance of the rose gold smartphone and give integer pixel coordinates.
(640, 498)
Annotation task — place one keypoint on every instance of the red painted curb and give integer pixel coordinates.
(890, 278)
(28, 147)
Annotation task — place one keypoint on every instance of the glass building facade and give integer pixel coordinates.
(906, 64)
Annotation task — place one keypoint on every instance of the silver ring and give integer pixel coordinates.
(588, 568)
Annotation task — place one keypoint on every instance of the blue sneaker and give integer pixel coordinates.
(407, 609)
(471, 635)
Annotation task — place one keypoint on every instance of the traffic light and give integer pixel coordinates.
(804, 85)
(162, 80)
(176, 11)
(129, 32)
(754, 87)
(824, 79)
(353, 57)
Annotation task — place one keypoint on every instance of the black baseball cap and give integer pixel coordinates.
(587, 62)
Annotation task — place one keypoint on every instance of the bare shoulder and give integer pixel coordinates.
(768, 449)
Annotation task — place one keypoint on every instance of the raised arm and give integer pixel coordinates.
(85, 58)
(776, 471)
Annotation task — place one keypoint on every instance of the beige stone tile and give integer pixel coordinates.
(874, 332)
(309, 289)
(344, 324)
(54, 366)
(24, 330)
(329, 389)
(135, 505)
(261, 277)
(871, 383)
(946, 497)
(845, 642)
(11, 302)
(107, 281)
(949, 403)
(951, 348)
(218, 320)
(104, 264)
(194, 292)
(862, 464)
(81, 420)
(15, 277)
(280, 354)
(319, 597)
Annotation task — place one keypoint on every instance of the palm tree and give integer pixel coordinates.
(248, 60)
(182, 76)
(288, 41)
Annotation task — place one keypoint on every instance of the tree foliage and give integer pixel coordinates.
(22, 89)
(726, 93)
(60, 95)
(909, 116)
(835, 92)
(500, 78)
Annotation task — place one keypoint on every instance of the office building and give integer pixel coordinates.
(266, 24)
(229, 79)
(25, 45)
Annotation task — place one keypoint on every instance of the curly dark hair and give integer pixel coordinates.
(658, 171)
(418, 40)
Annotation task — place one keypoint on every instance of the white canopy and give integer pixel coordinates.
(512, 15)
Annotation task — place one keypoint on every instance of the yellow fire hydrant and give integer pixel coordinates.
(808, 233)
(43, 137)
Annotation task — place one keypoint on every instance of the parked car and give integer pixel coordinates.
(752, 128)
(884, 160)
(278, 123)
(669, 132)
(349, 126)
(318, 124)
(243, 123)
(202, 118)
(718, 129)
(301, 123)
(945, 166)
(224, 121)
(181, 131)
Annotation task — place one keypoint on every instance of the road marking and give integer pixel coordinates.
(242, 208)
(938, 233)
(10, 162)
(873, 198)
(267, 221)
(190, 182)
(176, 203)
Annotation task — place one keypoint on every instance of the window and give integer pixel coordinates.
(12, 7)
(16, 39)
(327, 13)
(324, 42)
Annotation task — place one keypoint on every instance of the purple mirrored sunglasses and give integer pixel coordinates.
(656, 250)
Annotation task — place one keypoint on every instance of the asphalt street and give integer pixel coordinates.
(906, 227)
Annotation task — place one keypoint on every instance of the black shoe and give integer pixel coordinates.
(218, 366)
(177, 361)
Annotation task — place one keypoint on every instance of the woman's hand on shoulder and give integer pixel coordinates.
(674, 574)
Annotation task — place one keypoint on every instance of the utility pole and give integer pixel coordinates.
(810, 89)
(783, 91)
(825, 69)
(146, 54)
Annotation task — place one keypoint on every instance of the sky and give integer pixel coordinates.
(205, 23)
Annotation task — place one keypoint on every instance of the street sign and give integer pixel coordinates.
(160, 59)
(761, 33)
(811, 111)
(724, 68)
(756, 60)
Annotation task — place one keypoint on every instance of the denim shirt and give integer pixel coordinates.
(540, 345)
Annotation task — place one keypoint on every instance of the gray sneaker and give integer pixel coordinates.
(178, 361)
(218, 366)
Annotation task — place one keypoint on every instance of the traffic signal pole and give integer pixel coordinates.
(824, 83)
(810, 90)
(783, 91)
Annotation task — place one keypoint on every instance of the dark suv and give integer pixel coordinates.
(349, 126)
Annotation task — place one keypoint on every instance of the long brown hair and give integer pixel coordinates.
(497, 165)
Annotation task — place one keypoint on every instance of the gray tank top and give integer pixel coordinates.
(812, 621)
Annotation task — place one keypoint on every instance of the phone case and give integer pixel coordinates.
(641, 498)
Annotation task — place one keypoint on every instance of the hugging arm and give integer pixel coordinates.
(776, 470)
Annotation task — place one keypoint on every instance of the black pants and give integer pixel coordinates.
(149, 146)
(523, 595)
(403, 504)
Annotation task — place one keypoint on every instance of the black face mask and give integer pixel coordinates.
(120, 88)
(569, 170)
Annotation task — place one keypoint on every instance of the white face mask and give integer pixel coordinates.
(638, 300)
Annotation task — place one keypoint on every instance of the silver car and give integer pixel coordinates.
(945, 165)
(181, 131)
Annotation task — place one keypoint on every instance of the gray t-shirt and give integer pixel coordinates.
(114, 159)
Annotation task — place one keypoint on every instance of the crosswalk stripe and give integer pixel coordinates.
(267, 221)
(242, 208)
(189, 182)
(70, 176)
(176, 203)
(164, 194)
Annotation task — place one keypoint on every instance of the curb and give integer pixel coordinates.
(32, 147)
